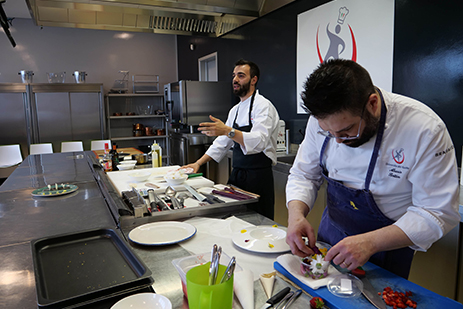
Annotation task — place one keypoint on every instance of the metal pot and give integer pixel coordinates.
(79, 76)
(141, 158)
(26, 76)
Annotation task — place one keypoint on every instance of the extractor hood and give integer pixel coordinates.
(186, 17)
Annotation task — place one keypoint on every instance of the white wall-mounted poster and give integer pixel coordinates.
(358, 30)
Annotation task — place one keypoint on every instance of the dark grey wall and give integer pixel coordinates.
(100, 53)
(428, 57)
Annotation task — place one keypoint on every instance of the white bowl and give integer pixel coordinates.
(143, 301)
(139, 176)
(128, 162)
(175, 181)
(124, 167)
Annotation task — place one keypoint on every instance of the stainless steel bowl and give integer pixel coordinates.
(141, 158)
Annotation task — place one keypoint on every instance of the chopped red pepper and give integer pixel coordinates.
(398, 299)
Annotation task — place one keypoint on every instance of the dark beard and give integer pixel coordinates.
(242, 90)
(370, 129)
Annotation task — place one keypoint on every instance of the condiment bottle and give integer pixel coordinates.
(107, 163)
(156, 155)
(114, 158)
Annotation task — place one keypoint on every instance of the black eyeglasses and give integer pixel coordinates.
(343, 138)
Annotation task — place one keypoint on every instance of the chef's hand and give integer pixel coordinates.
(354, 251)
(299, 227)
(351, 252)
(195, 166)
(215, 128)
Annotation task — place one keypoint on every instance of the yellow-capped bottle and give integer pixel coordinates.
(156, 155)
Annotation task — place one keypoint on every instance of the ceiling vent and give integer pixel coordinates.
(186, 17)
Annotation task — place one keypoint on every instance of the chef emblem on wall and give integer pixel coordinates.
(337, 44)
(347, 29)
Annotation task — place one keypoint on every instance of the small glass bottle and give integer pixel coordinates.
(107, 162)
(114, 158)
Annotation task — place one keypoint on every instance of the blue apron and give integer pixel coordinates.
(253, 172)
(351, 212)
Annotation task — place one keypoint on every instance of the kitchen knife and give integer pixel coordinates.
(368, 290)
(371, 294)
(195, 193)
(275, 299)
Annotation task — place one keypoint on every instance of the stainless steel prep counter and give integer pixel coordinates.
(24, 217)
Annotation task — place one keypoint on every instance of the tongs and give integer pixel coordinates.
(229, 271)
(214, 267)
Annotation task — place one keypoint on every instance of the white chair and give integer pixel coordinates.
(99, 144)
(10, 155)
(41, 148)
(72, 146)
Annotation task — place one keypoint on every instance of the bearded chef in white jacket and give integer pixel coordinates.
(389, 163)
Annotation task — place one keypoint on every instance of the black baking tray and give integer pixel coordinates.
(89, 266)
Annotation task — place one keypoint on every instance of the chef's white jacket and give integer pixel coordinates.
(263, 135)
(415, 181)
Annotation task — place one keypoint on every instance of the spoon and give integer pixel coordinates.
(170, 192)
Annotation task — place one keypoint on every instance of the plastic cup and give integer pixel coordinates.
(204, 296)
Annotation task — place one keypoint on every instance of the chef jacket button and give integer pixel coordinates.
(335, 170)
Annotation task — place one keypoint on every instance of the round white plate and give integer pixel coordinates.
(262, 239)
(162, 233)
(143, 301)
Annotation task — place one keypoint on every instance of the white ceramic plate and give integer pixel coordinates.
(143, 301)
(162, 233)
(262, 239)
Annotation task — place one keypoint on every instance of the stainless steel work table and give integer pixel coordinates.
(24, 217)
(167, 280)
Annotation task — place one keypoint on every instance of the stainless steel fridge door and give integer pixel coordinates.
(201, 99)
(67, 112)
(14, 119)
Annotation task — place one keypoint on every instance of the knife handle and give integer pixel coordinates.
(278, 296)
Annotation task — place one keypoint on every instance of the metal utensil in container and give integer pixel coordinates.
(79, 76)
(141, 158)
(170, 192)
(26, 76)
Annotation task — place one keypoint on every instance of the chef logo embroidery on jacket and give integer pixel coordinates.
(397, 170)
(398, 155)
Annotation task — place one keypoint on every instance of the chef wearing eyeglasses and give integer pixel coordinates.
(390, 168)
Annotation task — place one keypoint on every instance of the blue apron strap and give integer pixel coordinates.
(379, 138)
(322, 151)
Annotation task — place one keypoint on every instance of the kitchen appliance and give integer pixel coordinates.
(37, 110)
(188, 104)
(281, 138)
(191, 102)
(26, 76)
(79, 76)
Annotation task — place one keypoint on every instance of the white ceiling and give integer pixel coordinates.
(16, 9)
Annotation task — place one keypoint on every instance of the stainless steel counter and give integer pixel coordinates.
(24, 217)
(167, 281)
